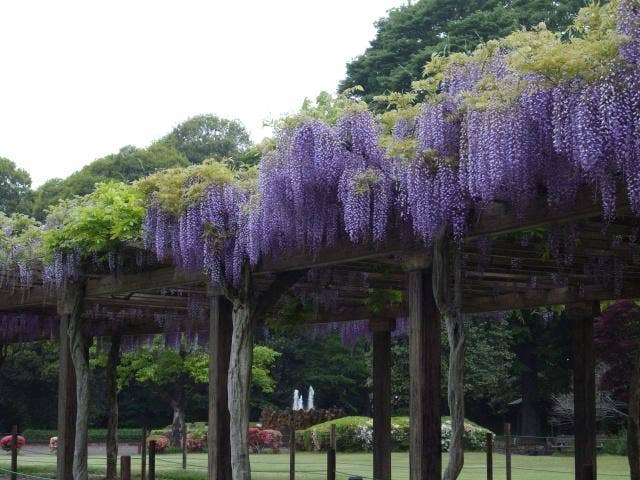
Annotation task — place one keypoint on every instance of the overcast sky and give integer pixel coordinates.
(80, 79)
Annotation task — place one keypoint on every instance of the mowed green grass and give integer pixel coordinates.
(312, 466)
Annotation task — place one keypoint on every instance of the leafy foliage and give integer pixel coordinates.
(15, 188)
(208, 137)
(97, 223)
(617, 341)
(409, 36)
(130, 163)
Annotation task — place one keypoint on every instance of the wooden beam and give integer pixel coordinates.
(218, 444)
(499, 218)
(581, 316)
(537, 298)
(164, 277)
(424, 373)
(381, 366)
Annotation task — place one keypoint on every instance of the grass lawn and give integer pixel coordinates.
(312, 466)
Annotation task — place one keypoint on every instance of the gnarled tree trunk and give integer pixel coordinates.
(112, 401)
(449, 303)
(73, 299)
(633, 422)
(177, 423)
(239, 385)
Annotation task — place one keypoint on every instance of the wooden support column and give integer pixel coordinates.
(66, 400)
(424, 371)
(581, 316)
(381, 342)
(219, 447)
(113, 360)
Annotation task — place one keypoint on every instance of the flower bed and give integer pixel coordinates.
(6, 442)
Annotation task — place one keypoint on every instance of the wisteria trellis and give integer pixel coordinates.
(324, 182)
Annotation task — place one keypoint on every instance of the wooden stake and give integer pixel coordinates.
(331, 455)
(507, 448)
(125, 467)
(292, 448)
(489, 456)
(152, 460)
(143, 459)
(14, 452)
(184, 445)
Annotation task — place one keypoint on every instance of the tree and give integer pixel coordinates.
(408, 37)
(174, 374)
(28, 383)
(617, 342)
(15, 188)
(130, 163)
(209, 136)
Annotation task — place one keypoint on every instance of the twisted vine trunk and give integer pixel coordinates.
(633, 423)
(455, 392)
(449, 303)
(239, 385)
(73, 300)
(113, 360)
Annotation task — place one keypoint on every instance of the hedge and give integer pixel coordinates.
(95, 435)
(355, 434)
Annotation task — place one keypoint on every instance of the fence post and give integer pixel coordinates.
(184, 446)
(331, 455)
(152, 460)
(489, 442)
(507, 448)
(125, 467)
(143, 458)
(588, 472)
(292, 448)
(14, 452)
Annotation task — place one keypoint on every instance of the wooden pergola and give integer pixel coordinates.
(604, 265)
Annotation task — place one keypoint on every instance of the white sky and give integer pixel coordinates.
(80, 79)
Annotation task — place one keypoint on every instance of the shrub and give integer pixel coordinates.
(260, 439)
(355, 434)
(162, 442)
(616, 445)
(6, 442)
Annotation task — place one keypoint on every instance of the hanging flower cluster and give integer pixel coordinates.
(529, 115)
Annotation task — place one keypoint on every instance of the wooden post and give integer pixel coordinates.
(66, 400)
(113, 360)
(424, 373)
(218, 445)
(581, 316)
(292, 447)
(184, 445)
(143, 457)
(152, 460)
(381, 342)
(507, 449)
(489, 456)
(331, 454)
(14, 452)
(125, 467)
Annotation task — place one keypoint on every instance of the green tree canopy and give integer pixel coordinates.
(209, 136)
(408, 37)
(130, 163)
(15, 188)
